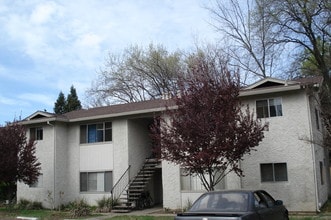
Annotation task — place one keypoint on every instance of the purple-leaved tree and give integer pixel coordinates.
(17, 159)
(206, 130)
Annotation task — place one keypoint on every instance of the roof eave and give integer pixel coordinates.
(267, 90)
(42, 120)
(120, 114)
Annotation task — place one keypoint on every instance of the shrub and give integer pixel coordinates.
(25, 204)
(22, 204)
(37, 205)
(106, 203)
(80, 208)
(188, 205)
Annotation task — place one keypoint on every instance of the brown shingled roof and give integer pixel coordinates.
(152, 105)
(310, 80)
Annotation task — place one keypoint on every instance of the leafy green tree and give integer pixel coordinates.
(309, 65)
(72, 102)
(60, 104)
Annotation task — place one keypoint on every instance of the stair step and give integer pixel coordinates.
(136, 191)
(145, 175)
(121, 210)
(137, 186)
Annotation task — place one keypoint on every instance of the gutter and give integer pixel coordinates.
(313, 156)
(114, 115)
(42, 120)
(54, 163)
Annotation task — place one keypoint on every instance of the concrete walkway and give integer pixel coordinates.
(157, 211)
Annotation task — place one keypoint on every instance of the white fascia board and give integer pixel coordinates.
(118, 114)
(267, 90)
(42, 120)
(268, 79)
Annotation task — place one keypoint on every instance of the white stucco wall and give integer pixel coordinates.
(320, 154)
(171, 186)
(139, 144)
(120, 144)
(61, 151)
(45, 155)
(174, 198)
(283, 144)
(71, 190)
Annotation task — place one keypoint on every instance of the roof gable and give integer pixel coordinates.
(270, 82)
(40, 114)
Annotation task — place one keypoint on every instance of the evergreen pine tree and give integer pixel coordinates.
(60, 104)
(73, 102)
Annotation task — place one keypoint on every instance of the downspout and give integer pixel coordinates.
(54, 163)
(313, 155)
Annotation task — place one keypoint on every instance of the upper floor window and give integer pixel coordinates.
(317, 118)
(93, 133)
(269, 108)
(36, 133)
(322, 172)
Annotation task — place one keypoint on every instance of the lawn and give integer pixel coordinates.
(41, 214)
(56, 215)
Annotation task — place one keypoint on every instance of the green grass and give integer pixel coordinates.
(41, 214)
(56, 215)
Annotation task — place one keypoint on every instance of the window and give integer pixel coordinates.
(317, 118)
(322, 172)
(38, 183)
(93, 133)
(269, 108)
(191, 182)
(36, 133)
(273, 172)
(96, 181)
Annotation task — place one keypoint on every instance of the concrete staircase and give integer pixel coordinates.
(135, 196)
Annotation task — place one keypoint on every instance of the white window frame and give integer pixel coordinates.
(278, 110)
(96, 181)
(37, 133)
(104, 127)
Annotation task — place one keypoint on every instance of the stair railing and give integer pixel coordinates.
(121, 185)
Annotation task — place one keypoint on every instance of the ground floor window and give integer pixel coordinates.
(191, 182)
(273, 172)
(96, 181)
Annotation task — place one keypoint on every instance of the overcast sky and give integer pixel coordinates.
(47, 46)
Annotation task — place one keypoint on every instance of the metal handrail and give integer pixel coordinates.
(121, 184)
